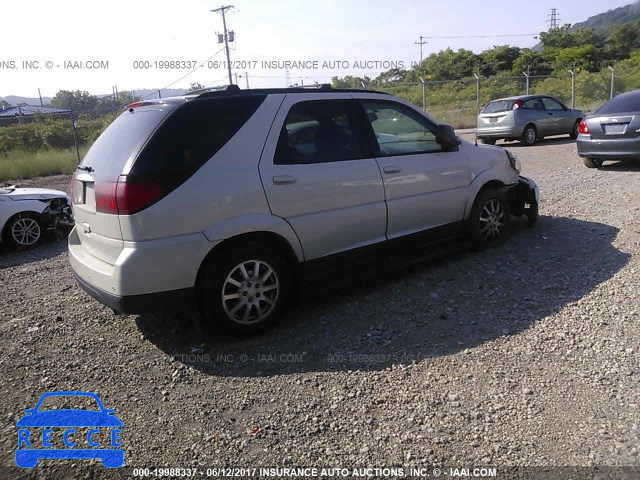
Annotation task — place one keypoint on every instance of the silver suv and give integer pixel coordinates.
(231, 200)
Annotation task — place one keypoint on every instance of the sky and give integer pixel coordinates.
(93, 46)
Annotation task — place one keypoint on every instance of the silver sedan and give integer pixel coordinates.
(612, 132)
(527, 118)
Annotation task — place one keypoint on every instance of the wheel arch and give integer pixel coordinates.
(270, 238)
(483, 182)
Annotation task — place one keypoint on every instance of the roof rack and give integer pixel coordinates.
(235, 90)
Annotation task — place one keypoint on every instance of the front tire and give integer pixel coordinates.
(489, 219)
(529, 135)
(23, 231)
(592, 162)
(245, 289)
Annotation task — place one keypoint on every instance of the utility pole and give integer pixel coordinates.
(40, 95)
(553, 19)
(424, 94)
(526, 74)
(246, 78)
(421, 42)
(223, 10)
(236, 77)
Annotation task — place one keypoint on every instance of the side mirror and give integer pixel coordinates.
(446, 137)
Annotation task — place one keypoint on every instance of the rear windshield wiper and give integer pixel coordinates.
(86, 169)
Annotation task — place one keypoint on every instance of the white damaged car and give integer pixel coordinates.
(26, 213)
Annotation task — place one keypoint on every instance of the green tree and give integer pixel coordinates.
(78, 100)
(450, 65)
(622, 39)
(498, 59)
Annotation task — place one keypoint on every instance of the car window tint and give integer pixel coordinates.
(624, 103)
(400, 130)
(193, 134)
(551, 104)
(533, 104)
(318, 131)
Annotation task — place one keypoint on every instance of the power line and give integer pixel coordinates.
(202, 64)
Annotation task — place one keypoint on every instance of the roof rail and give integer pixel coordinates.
(221, 88)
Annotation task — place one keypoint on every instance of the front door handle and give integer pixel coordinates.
(284, 179)
(392, 169)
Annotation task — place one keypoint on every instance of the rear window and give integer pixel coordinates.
(193, 133)
(499, 106)
(624, 103)
(121, 141)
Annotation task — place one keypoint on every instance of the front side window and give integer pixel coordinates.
(399, 129)
(551, 104)
(318, 131)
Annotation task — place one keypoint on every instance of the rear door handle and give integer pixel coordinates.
(392, 169)
(284, 179)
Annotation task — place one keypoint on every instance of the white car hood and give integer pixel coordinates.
(34, 194)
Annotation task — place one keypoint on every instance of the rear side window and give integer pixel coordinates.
(319, 131)
(625, 103)
(533, 104)
(193, 134)
(499, 106)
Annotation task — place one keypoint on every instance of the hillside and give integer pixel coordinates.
(617, 16)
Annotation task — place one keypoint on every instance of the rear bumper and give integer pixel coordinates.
(509, 131)
(159, 302)
(609, 149)
(146, 277)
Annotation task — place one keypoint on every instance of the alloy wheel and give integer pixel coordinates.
(492, 221)
(25, 231)
(250, 292)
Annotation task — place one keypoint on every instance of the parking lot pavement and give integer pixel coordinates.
(523, 355)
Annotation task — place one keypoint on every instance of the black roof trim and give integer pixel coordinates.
(234, 90)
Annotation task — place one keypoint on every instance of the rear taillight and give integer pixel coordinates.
(582, 128)
(517, 104)
(105, 194)
(133, 197)
(126, 198)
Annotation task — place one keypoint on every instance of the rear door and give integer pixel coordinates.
(559, 120)
(319, 175)
(95, 179)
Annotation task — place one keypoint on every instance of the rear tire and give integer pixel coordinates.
(245, 289)
(592, 162)
(489, 220)
(529, 135)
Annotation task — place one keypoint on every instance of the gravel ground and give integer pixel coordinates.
(525, 355)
